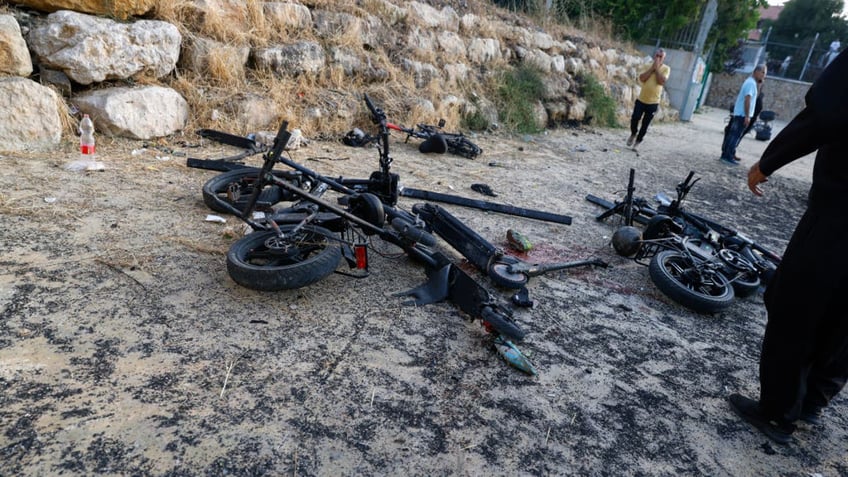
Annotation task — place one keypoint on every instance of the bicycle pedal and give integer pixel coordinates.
(522, 298)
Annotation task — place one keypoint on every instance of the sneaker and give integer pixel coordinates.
(728, 161)
(630, 140)
(749, 411)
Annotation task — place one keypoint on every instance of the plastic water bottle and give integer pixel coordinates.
(87, 138)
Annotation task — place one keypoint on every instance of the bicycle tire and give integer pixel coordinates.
(502, 323)
(234, 188)
(746, 285)
(461, 146)
(666, 271)
(259, 261)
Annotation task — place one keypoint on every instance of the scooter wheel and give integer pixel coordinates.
(501, 276)
(503, 324)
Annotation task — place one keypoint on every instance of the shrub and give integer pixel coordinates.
(518, 90)
(475, 121)
(600, 106)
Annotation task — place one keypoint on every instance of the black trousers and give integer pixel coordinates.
(645, 113)
(804, 360)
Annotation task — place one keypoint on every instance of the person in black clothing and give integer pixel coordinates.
(804, 358)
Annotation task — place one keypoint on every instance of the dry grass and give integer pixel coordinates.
(329, 102)
(197, 245)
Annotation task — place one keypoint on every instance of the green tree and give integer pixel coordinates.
(733, 22)
(802, 19)
(798, 24)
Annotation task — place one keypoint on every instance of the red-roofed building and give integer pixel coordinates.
(768, 13)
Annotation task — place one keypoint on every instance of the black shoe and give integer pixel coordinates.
(749, 411)
(811, 416)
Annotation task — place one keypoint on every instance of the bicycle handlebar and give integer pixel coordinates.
(378, 116)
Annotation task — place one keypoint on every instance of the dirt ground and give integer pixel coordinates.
(126, 349)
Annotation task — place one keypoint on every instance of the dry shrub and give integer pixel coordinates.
(260, 31)
(225, 26)
(189, 85)
(334, 5)
(68, 122)
(181, 13)
(225, 67)
(389, 13)
(348, 37)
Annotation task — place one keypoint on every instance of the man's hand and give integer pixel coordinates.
(755, 178)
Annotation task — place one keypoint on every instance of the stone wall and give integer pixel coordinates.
(784, 97)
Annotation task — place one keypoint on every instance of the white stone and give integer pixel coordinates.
(90, 49)
(138, 113)
(30, 119)
(14, 58)
(304, 57)
(484, 50)
(287, 15)
(451, 43)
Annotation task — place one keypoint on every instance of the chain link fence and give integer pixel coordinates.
(802, 61)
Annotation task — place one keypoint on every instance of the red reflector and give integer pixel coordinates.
(361, 252)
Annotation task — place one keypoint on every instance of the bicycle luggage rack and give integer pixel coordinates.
(649, 248)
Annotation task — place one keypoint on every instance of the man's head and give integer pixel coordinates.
(659, 54)
(759, 73)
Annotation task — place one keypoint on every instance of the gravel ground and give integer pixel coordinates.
(126, 349)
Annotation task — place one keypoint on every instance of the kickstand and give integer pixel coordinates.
(434, 290)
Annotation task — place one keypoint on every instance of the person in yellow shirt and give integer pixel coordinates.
(652, 78)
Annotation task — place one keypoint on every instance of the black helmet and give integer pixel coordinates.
(627, 240)
(437, 143)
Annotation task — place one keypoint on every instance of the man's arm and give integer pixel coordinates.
(661, 78)
(800, 137)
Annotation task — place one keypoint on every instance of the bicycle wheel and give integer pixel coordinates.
(674, 274)
(746, 278)
(746, 285)
(461, 146)
(264, 261)
(235, 188)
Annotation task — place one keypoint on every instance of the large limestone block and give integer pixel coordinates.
(484, 50)
(14, 55)
(90, 49)
(121, 9)
(303, 57)
(288, 15)
(137, 113)
(31, 118)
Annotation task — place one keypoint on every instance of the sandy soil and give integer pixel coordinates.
(126, 349)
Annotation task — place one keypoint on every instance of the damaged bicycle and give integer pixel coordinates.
(299, 237)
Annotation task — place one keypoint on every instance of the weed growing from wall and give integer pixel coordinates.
(518, 91)
(600, 106)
